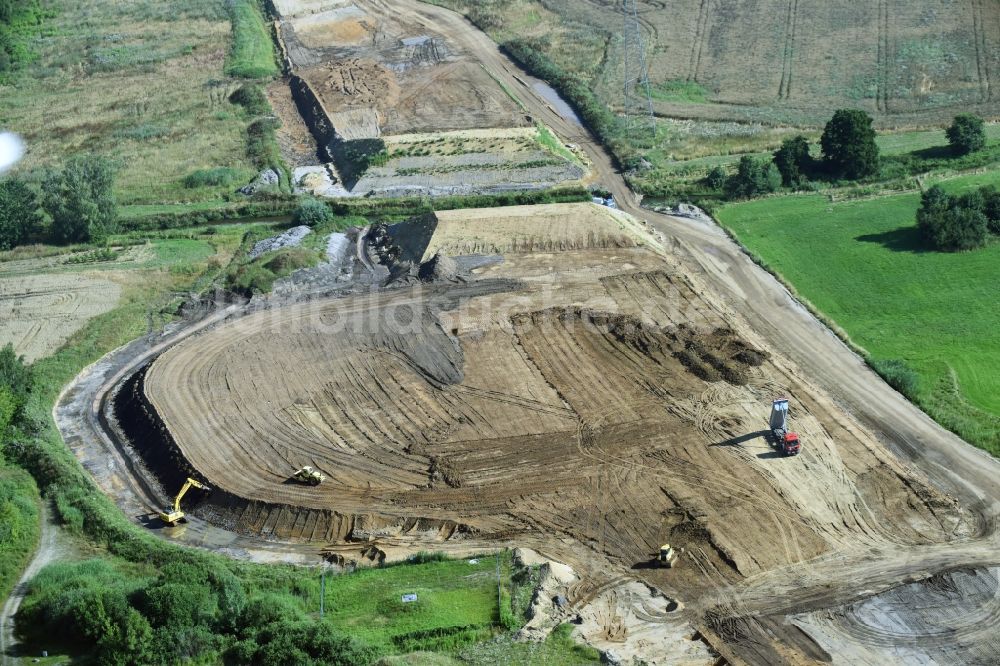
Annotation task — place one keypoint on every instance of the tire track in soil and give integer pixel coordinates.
(788, 55)
(882, 74)
(982, 52)
(698, 43)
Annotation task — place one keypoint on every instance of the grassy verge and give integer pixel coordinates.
(19, 524)
(863, 264)
(252, 52)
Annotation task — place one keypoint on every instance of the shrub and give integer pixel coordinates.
(251, 97)
(794, 161)
(80, 200)
(20, 216)
(952, 223)
(849, 148)
(967, 134)
(216, 177)
(716, 178)
(753, 178)
(991, 207)
(312, 212)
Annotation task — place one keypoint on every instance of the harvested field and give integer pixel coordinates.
(39, 312)
(776, 61)
(589, 399)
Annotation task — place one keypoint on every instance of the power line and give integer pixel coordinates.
(638, 95)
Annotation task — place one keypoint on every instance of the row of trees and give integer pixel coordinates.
(849, 152)
(72, 204)
(959, 222)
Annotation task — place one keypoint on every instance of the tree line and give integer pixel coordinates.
(849, 152)
(71, 204)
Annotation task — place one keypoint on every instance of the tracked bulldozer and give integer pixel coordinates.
(666, 557)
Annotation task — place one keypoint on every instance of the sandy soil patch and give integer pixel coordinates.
(535, 229)
(291, 8)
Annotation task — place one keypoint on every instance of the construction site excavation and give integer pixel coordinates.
(381, 100)
(553, 378)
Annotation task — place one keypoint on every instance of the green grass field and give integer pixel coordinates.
(863, 264)
(142, 83)
(451, 595)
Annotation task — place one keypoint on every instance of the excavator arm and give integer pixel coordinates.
(186, 487)
(172, 515)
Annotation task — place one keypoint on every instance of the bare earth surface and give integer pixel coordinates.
(592, 401)
(368, 55)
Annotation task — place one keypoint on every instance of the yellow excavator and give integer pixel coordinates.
(173, 515)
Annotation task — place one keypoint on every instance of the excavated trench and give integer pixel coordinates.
(165, 469)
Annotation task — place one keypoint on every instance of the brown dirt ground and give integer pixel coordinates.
(596, 406)
(416, 79)
(298, 146)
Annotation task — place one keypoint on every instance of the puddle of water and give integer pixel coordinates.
(561, 106)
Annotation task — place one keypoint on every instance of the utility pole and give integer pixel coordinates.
(638, 96)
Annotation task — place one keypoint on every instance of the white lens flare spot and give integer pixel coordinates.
(11, 150)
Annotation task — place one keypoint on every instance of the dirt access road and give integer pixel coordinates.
(953, 465)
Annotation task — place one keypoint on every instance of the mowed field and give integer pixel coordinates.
(40, 312)
(864, 265)
(787, 61)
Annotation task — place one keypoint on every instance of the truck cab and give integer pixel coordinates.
(790, 444)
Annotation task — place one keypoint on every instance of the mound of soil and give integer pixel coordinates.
(439, 268)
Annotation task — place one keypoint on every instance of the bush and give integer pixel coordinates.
(217, 177)
(15, 377)
(312, 212)
(753, 178)
(794, 161)
(849, 148)
(80, 199)
(716, 178)
(251, 97)
(950, 223)
(967, 134)
(262, 144)
(20, 216)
